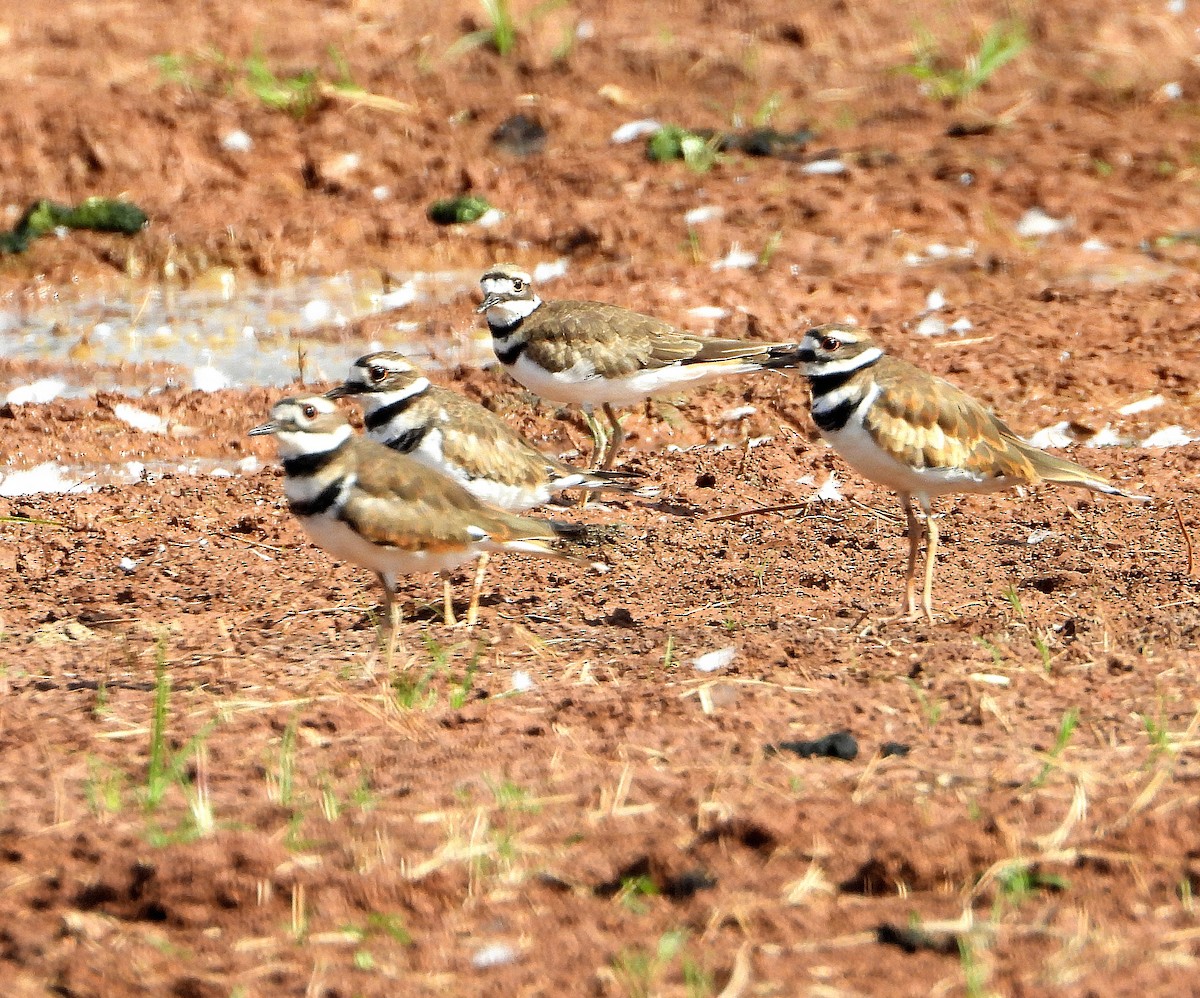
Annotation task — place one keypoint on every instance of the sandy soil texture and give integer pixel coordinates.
(212, 787)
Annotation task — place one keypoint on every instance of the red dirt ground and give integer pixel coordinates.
(558, 802)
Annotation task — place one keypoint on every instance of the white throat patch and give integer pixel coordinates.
(509, 313)
(377, 400)
(298, 444)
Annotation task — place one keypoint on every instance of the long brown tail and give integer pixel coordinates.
(1060, 471)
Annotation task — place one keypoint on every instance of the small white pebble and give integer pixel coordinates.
(1107, 437)
(139, 419)
(830, 490)
(236, 141)
(381, 193)
(127, 564)
(208, 379)
(708, 312)
(1169, 436)
(739, 413)
(41, 391)
(549, 270)
(935, 301)
(931, 325)
(491, 217)
(1052, 436)
(47, 477)
(1037, 536)
(824, 167)
(521, 681)
(1171, 91)
(632, 130)
(705, 213)
(736, 259)
(493, 955)
(990, 678)
(962, 325)
(1094, 245)
(316, 311)
(406, 294)
(714, 660)
(1036, 224)
(1141, 405)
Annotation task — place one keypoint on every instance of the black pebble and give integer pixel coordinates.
(520, 135)
(914, 938)
(839, 745)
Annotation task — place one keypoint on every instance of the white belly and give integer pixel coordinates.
(859, 450)
(339, 540)
(581, 385)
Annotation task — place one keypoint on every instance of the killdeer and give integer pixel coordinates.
(460, 438)
(366, 504)
(595, 354)
(920, 436)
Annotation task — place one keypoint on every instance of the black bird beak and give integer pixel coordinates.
(264, 428)
(488, 302)
(342, 391)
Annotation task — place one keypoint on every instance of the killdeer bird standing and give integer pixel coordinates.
(366, 504)
(460, 438)
(919, 435)
(595, 354)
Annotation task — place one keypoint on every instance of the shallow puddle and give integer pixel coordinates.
(53, 477)
(225, 332)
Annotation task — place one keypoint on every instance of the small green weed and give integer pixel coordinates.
(768, 251)
(632, 892)
(167, 768)
(699, 153)
(511, 797)
(1020, 881)
(931, 709)
(640, 972)
(1000, 46)
(283, 784)
(1158, 733)
(297, 94)
(1066, 728)
(502, 32)
(1041, 641)
(975, 972)
(104, 788)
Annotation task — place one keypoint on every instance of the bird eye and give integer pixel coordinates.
(309, 411)
(518, 284)
(830, 343)
(376, 373)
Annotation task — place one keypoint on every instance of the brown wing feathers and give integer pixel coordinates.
(627, 342)
(433, 508)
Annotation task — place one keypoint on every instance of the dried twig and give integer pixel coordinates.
(1187, 539)
(786, 507)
